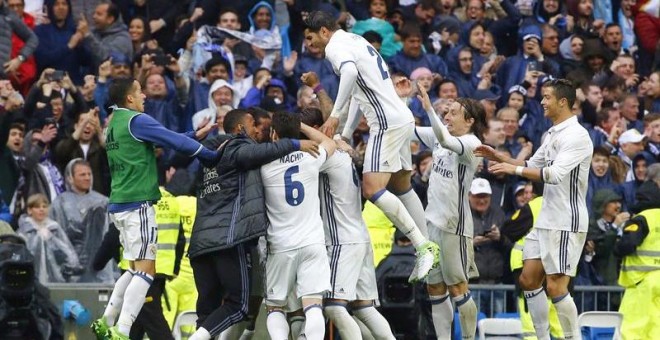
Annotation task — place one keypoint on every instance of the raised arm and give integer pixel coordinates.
(317, 136)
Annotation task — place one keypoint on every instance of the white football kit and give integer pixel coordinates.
(296, 260)
(352, 274)
(391, 122)
(560, 231)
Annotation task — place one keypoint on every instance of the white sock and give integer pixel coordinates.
(314, 323)
(297, 326)
(278, 328)
(234, 331)
(568, 315)
(375, 322)
(397, 213)
(114, 305)
(200, 334)
(134, 297)
(442, 312)
(537, 304)
(247, 335)
(347, 327)
(416, 210)
(467, 313)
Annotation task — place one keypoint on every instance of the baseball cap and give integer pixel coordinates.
(485, 94)
(119, 59)
(531, 36)
(631, 136)
(480, 186)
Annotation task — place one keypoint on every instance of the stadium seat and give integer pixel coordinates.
(601, 325)
(458, 334)
(501, 329)
(187, 318)
(507, 316)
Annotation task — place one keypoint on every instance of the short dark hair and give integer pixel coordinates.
(286, 125)
(258, 113)
(473, 109)
(447, 81)
(601, 151)
(225, 10)
(317, 19)
(372, 36)
(217, 60)
(604, 114)
(113, 10)
(410, 30)
(563, 89)
(119, 89)
(311, 116)
(233, 119)
(17, 126)
(612, 24)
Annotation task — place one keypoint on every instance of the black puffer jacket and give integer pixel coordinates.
(230, 200)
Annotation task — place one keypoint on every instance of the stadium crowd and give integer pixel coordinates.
(196, 60)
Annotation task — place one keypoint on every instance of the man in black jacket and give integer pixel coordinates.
(231, 215)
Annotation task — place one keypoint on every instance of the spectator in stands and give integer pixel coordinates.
(378, 23)
(41, 175)
(630, 143)
(626, 20)
(412, 55)
(221, 93)
(12, 24)
(594, 62)
(652, 133)
(472, 37)
(313, 60)
(489, 251)
(613, 39)
(509, 117)
(591, 102)
(486, 97)
(488, 50)
(650, 91)
(571, 51)
(138, 30)
(55, 257)
(501, 186)
(550, 44)
(600, 174)
(583, 15)
(605, 223)
(110, 34)
(118, 66)
(629, 106)
(421, 13)
(608, 125)
(420, 180)
(554, 13)
(82, 213)
(267, 89)
(614, 88)
(11, 155)
(214, 69)
(60, 45)
(306, 98)
(623, 66)
(647, 24)
(87, 143)
(27, 72)
(628, 189)
(159, 15)
(523, 193)
(495, 135)
(462, 71)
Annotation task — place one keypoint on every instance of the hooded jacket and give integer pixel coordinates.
(283, 31)
(230, 201)
(604, 237)
(255, 96)
(477, 59)
(53, 51)
(114, 38)
(406, 64)
(597, 184)
(10, 24)
(629, 189)
(212, 111)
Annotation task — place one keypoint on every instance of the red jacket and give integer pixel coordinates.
(647, 26)
(27, 72)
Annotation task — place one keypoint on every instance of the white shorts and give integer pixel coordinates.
(389, 150)
(303, 271)
(456, 258)
(352, 273)
(559, 250)
(138, 232)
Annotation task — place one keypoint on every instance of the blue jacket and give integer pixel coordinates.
(53, 51)
(599, 183)
(167, 110)
(323, 68)
(254, 95)
(406, 64)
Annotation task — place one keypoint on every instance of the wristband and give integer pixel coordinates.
(519, 170)
(317, 88)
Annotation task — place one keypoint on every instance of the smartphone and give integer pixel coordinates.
(49, 121)
(56, 75)
(161, 59)
(533, 65)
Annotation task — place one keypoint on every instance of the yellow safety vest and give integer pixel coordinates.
(516, 258)
(168, 220)
(187, 210)
(646, 258)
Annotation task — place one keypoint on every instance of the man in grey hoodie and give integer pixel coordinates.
(110, 34)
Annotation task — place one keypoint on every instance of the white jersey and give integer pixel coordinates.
(451, 178)
(341, 202)
(375, 92)
(565, 157)
(291, 189)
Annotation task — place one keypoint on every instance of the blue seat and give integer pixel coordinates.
(597, 333)
(507, 316)
(457, 324)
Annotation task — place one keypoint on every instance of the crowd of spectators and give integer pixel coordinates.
(198, 59)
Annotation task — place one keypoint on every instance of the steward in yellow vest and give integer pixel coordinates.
(639, 246)
(519, 225)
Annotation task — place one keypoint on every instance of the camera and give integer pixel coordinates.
(161, 59)
(56, 76)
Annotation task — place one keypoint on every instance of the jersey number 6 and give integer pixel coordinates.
(291, 186)
(379, 59)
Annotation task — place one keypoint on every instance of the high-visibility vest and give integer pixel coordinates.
(646, 258)
(187, 210)
(169, 221)
(516, 258)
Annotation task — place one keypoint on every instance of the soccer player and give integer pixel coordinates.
(448, 210)
(387, 161)
(297, 261)
(130, 140)
(553, 248)
(352, 274)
